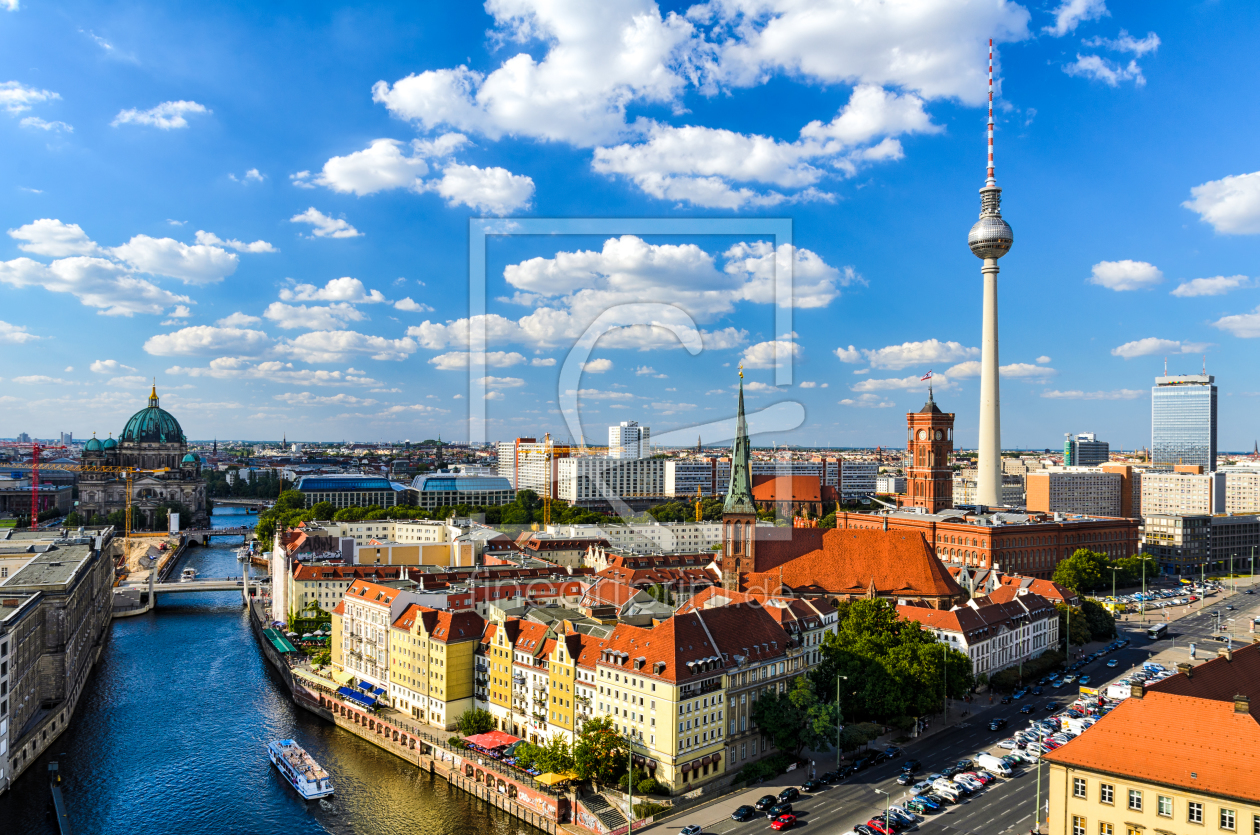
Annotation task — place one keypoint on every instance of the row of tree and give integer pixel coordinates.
(265, 484)
(1087, 571)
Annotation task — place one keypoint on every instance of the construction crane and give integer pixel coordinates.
(36, 448)
(128, 472)
(699, 512)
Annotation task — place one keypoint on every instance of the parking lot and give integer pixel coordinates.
(1007, 804)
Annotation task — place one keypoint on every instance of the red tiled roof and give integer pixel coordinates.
(1220, 679)
(606, 592)
(302, 571)
(1166, 738)
(365, 591)
(787, 488)
(794, 614)
(896, 563)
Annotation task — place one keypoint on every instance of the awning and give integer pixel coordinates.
(685, 767)
(717, 757)
(380, 691)
(312, 677)
(492, 739)
(550, 779)
(342, 677)
(355, 695)
(279, 641)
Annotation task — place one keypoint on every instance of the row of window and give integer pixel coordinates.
(1163, 807)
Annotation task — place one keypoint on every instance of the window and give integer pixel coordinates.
(1165, 809)
(1194, 812)
(1227, 819)
(1135, 800)
(1078, 825)
(1106, 793)
(1078, 787)
(1105, 829)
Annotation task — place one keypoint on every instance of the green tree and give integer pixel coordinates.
(1081, 633)
(1131, 569)
(598, 754)
(475, 721)
(526, 754)
(291, 500)
(1102, 624)
(827, 522)
(323, 510)
(796, 719)
(1083, 571)
(555, 756)
(73, 519)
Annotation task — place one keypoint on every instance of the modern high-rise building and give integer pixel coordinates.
(1085, 450)
(629, 440)
(1183, 420)
(990, 238)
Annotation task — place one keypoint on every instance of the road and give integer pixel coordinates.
(1007, 804)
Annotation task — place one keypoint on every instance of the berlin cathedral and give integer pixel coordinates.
(152, 440)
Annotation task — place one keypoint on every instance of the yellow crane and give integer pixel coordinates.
(128, 472)
(699, 512)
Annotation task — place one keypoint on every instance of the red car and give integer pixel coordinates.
(880, 826)
(783, 822)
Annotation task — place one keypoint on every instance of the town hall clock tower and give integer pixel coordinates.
(929, 443)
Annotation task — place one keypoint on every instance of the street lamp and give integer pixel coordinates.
(630, 743)
(839, 723)
(885, 794)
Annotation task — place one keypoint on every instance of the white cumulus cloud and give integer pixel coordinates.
(1231, 204)
(312, 318)
(206, 339)
(1244, 325)
(211, 239)
(15, 334)
(456, 360)
(1108, 72)
(597, 366)
(1153, 346)
(197, 264)
(238, 320)
(51, 237)
(1125, 275)
(923, 353)
(344, 289)
(324, 226)
(339, 345)
(494, 190)
(1071, 13)
(16, 97)
(168, 115)
(96, 282)
(771, 354)
(109, 367)
(41, 124)
(1215, 286)
(867, 401)
(411, 306)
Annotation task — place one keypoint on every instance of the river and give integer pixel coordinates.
(171, 732)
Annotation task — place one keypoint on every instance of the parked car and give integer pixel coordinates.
(881, 827)
(783, 822)
(1084, 680)
(829, 776)
(863, 829)
(743, 813)
(788, 794)
(847, 770)
(812, 785)
(921, 788)
(865, 761)
(905, 778)
(919, 806)
(692, 829)
(1006, 700)
(1113, 663)
(892, 752)
(765, 802)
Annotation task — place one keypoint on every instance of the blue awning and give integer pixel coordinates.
(380, 691)
(366, 685)
(355, 695)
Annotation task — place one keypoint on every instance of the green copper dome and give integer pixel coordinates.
(189, 459)
(93, 445)
(153, 425)
(109, 444)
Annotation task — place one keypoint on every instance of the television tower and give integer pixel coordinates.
(990, 238)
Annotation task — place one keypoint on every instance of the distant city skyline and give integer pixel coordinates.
(286, 252)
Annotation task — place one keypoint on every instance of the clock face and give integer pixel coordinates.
(939, 434)
(922, 434)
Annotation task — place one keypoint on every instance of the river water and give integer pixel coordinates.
(170, 737)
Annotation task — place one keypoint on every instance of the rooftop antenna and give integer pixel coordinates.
(1165, 366)
(991, 181)
(1205, 365)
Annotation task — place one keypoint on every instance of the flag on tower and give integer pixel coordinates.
(926, 376)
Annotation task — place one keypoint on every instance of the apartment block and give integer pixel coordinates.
(1086, 490)
(1188, 490)
(598, 479)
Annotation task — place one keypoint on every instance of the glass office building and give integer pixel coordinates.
(1183, 421)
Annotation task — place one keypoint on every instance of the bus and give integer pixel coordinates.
(1157, 631)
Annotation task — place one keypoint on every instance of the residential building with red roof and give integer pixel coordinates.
(993, 635)
(431, 659)
(361, 626)
(1179, 756)
(807, 620)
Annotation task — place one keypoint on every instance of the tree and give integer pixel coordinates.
(1102, 624)
(323, 510)
(73, 519)
(797, 719)
(526, 754)
(555, 756)
(598, 753)
(1081, 633)
(475, 721)
(1083, 571)
(291, 500)
(1131, 569)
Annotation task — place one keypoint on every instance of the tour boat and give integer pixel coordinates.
(302, 772)
(189, 574)
(242, 554)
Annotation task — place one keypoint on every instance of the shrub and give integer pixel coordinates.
(647, 786)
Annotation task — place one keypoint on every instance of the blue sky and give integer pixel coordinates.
(267, 209)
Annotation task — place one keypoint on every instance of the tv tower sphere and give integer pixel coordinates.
(991, 236)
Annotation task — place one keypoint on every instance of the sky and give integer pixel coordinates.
(269, 209)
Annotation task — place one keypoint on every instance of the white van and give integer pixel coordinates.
(993, 765)
(947, 789)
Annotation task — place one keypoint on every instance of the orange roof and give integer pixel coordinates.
(340, 608)
(301, 571)
(607, 592)
(367, 592)
(794, 614)
(895, 563)
(787, 488)
(1200, 745)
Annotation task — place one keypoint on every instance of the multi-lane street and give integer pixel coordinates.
(1007, 805)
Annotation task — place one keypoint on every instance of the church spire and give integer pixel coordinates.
(739, 498)
(153, 398)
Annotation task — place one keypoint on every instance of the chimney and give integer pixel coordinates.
(1227, 654)
(1186, 667)
(1242, 704)
(1137, 691)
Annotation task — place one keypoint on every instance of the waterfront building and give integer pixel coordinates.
(629, 440)
(429, 492)
(351, 491)
(361, 629)
(929, 445)
(1173, 757)
(317, 589)
(55, 609)
(1031, 544)
(431, 660)
(1188, 490)
(1085, 450)
(989, 239)
(1183, 420)
(995, 636)
(152, 439)
(1084, 490)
